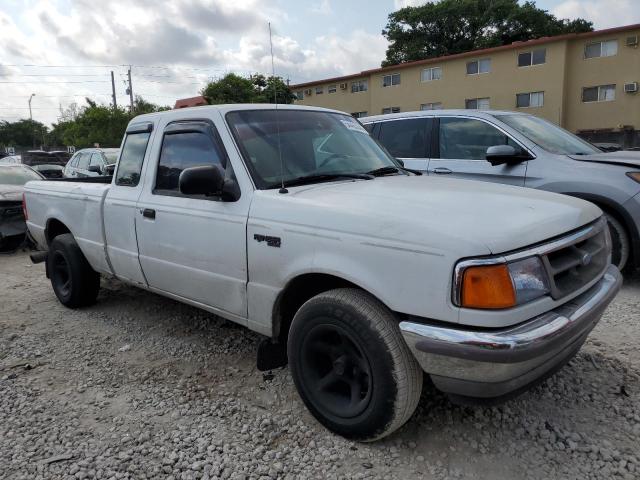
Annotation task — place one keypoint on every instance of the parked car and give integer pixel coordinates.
(50, 171)
(12, 223)
(92, 162)
(296, 224)
(524, 150)
(10, 160)
(42, 157)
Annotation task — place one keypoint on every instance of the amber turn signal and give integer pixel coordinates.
(634, 175)
(488, 286)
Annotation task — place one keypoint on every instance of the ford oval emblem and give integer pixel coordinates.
(586, 259)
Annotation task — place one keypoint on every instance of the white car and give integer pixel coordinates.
(296, 224)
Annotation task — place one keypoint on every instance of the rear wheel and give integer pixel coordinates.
(620, 244)
(73, 280)
(351, 365)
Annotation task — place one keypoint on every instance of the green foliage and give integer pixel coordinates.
(22, 132)
(80, 127)
(233, 88)
(455, 26)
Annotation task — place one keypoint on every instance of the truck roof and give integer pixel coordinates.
(439, 113)
(225, 108)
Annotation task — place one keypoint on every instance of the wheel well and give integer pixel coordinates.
(296, 293)
(623, 221)
(55, 228)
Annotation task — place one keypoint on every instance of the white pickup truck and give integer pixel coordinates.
(295, 223)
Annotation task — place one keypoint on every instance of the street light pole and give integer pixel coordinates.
(33, 130)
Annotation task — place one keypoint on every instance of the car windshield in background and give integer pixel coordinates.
(17, 175)
(548, 136)
(318, 145)
(111, 157)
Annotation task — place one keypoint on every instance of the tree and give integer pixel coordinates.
(22, 133)
(455, 26)
(233, 88)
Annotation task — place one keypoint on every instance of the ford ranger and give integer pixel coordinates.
(363, 275)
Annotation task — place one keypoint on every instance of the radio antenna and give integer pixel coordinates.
(275, 100)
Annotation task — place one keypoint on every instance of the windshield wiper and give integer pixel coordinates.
(379, 172)
(326, 177)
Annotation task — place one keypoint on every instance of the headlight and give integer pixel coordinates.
(493, 284)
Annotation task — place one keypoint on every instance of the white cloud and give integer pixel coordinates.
(603, 13)
(408, 3)
(194, 39)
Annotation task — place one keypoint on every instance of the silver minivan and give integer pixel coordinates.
(524, 150)
(92, 162)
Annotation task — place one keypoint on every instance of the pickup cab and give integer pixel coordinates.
(362, 275)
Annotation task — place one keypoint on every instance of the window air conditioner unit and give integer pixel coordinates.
(307, 91)
(631, 87)
(343, 86)
(632, 41)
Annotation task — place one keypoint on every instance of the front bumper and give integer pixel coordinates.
(496, 362)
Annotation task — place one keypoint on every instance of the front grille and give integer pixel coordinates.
(11, 209)
(576, 260)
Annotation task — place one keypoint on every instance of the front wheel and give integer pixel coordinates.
(73, 280)
(620, 244)
(351, 365)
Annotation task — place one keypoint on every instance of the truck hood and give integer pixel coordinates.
(623, 158)
(441, 215)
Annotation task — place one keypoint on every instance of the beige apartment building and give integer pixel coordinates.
(588, 83)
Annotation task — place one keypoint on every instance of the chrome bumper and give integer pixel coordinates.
(492, 363)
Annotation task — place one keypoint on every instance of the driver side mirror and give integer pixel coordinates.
(94, 168)
(505, 154)
(207, 180)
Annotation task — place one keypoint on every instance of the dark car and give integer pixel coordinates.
(50, 171)
(40, 157)
(12, 223)
(92, 162)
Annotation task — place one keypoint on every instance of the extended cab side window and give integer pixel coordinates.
(131, 158)
(185, 149)
(405, 138)
(469, 139)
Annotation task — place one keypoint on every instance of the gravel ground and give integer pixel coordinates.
(139, 386)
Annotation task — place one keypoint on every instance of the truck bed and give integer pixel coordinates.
(78, 205)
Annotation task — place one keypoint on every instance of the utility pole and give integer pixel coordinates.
(113, 91)
(33, 130)
(130, 91)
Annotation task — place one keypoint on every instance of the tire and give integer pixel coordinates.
(620, 244)
(73, 280)
(351, 365)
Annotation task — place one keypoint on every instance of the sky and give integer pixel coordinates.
(64, 50)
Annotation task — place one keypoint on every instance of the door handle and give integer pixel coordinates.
(442, 170)
(149, 213)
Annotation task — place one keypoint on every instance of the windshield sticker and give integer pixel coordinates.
(356, 127)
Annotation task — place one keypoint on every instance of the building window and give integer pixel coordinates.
(532, 99)
(359, 114)
(601, 49)
(387, 110)
(331, 89)
(319, 90)
(359, 86)
(391, 80)
(429, 74)
(477, 103)
(299, 95)
(479, 66)
(536, 57)
(601, 93)
(431, 106)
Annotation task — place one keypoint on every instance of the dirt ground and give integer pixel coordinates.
(139, 386)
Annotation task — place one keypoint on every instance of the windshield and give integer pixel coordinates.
(11, 175)
(310, 143)
(548, 136)
(111, 157)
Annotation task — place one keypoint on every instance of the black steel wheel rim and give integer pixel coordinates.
(61, 274)
(335, 371)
